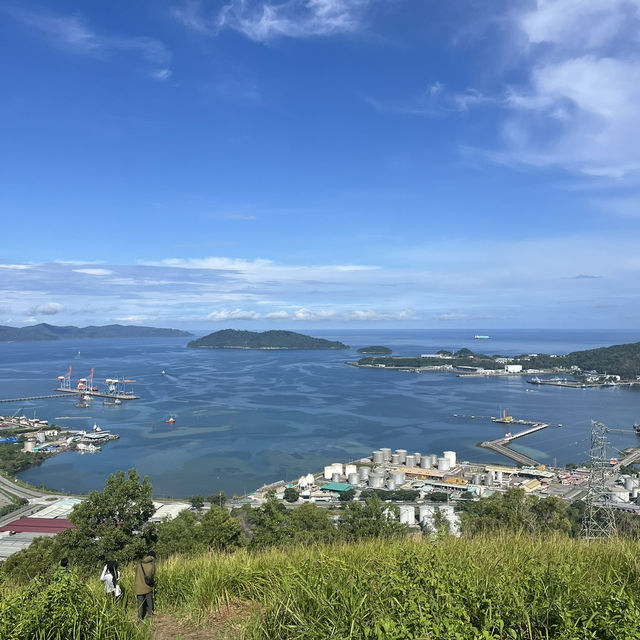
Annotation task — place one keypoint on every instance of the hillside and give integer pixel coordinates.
(45, 331)
(490, 588)
(620, 359)
(235, 339)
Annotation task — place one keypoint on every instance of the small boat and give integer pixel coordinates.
(636, 428)
(163, 372)
(481, 337)
(117, 401)
(171, 420)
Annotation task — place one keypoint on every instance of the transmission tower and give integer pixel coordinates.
(598, 521)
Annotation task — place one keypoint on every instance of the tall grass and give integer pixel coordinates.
(481, 588)
(507, 587)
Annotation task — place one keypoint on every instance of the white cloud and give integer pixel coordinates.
(94, 272)
(232, 314)
(579, 107)
(16, 267)
(265, 21)
(48, 309)
(132, 319)
(75, 36)
(161, 74)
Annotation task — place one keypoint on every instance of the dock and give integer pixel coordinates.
(51, 395)
(100, 394)
(500, 445)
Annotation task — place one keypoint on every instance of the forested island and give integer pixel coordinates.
(43, 331)
(621, 360)
(375, 349)
(237, 339)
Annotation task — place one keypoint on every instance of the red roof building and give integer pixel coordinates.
(38, 525)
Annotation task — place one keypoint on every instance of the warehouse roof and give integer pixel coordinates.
(38, 525)
(336, 486)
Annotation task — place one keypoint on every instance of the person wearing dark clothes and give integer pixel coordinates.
(145, 576)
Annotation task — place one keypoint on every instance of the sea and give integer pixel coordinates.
(246, 418)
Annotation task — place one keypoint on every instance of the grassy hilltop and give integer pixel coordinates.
(485, 588)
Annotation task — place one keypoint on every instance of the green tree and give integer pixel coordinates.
(291, 495)
(110, 524)
(310, 524)
(219, 499)
(219, 530)
(372, 519)
(197, 501)
(347, 496)
(267, 523)
(178, 535)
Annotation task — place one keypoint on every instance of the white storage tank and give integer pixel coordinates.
(444, 464)
(425, 462)
(310, 479)
(353, 478)
(499, 477)
(410, 461)
(629, 483)
(335, 477)
(378, 457)
(407, 514)
(328, 472)
(451, 456)
(403, 455)
(391, 484)
(398, 477)
(418, 457)
(349, 469)
(395, 458)
(476, 478)
(386, 452)
(337, 468)
(376, 482)
(29, 445)
(434, 460)
(363, 473)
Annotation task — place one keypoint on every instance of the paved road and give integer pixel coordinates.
(18, 490)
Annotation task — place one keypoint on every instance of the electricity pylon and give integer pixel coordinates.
(598, 521)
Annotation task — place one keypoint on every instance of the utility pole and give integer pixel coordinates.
(598, 522)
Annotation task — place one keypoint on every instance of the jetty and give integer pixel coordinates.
(100, 394)
(51, 395)
(500, 445)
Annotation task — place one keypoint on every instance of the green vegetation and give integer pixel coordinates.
(13, 459)
(291, 495)
(622, 360)
(397, 495)
(485, 588)
(45, 331)
(234, 339)
(376, 349)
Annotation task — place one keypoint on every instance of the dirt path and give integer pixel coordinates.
(224, 624)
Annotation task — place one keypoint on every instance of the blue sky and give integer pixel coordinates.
(321, 163)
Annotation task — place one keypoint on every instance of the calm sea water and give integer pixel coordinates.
(245, 418)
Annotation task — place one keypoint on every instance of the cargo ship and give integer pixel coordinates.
(481, 337)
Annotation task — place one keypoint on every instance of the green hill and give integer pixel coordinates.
(45, 331)
(375, 349)
(235, 339)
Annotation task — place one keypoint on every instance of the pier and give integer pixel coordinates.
(500, 445)
(51, 395)
(100, 394)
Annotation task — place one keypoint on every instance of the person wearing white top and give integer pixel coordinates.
(110, 576)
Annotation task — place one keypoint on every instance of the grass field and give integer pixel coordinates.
(451, 589)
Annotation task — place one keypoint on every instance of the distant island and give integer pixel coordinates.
(235, 339)
(376, 349)
(38, 332)
(621, 361)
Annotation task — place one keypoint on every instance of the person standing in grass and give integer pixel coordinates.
(111, 577)
(145, 578)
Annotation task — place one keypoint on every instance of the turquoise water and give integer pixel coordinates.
(245, 418)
